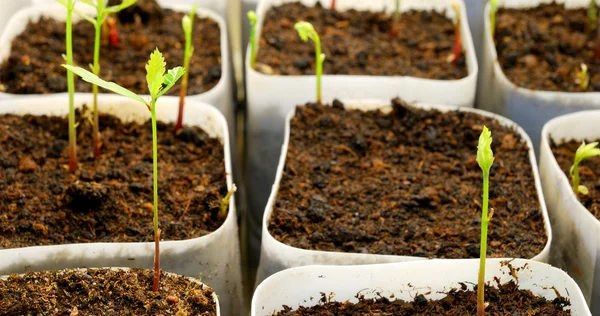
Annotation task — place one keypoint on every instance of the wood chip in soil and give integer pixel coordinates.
(110, 199)
(506, 299)
(589, 172)
(359, 43)
(404, 183)
(34, 64)
(542, 48)
(103, 292)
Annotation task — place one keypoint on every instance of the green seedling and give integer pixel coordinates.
(102, 12)
(225, 202)
(306, 31)
(493, 10)
(253, 44)
(583, 78)
(485, 159)
(592, 15)
(457, 49)
(69, 5)
(159, 83)
(186, 24)
(584, 151)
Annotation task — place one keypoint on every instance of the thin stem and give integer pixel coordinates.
(156, 261)
(319, 62)
(333, 5)
(184, 82)
(253, 44)
(397, 12)
(483, 246)
(71, 88)
(155, 189)
(576, 178)
(225, 202)
(96, 71)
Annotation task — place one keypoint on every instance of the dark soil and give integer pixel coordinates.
(506, 299)
(36, 54)
(359, 43)
(103, 292)
(403, 183)
(589, 171)
(110, 199)
(543, 48)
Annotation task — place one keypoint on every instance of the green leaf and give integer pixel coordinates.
(124, 5)
(586, 151)
(155, 70)
(485, 156)
(111, 86)
(305, 30)
(171, 78)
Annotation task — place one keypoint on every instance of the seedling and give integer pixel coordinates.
(485, 159)
(225, 202)
(332, 5)
(457, 39)
(592, 14)
(159, 83)
(102, 12)
(306, 31)
(583, 78)
(397, 12)
(583, 152)
(493, 10)
(69, 5)
(186, 24)
(253, 44)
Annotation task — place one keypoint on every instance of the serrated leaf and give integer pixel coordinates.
(111, 86)
(171, 78)
(155, 72)
(485, 156)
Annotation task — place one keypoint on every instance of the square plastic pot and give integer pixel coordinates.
(276, 256)
(271, 97)
(213, 258)
(302, 286)
(576, 242)
(529, 108)
(190, 279)
(220, 95)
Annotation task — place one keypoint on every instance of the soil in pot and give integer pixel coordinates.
(503, 300)
(109, 199)
(542, 48)
(403, 183)
(564, 152)
(103, 292)
(359, 43)
(33, 66)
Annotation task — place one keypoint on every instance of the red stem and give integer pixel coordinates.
(333, 5)
(182, 94)
(113, 34)
(72, 159)
(457, 43)
(156, 261)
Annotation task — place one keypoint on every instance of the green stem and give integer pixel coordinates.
(576, 178)
(155, 189)
(253, 46)
(96, 71)
(71, 88)
(483, 245)
(319, 62)
(397, 12)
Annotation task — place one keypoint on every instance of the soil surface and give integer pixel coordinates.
(543, 48)
(589, 171)
(359, 43)
(403, 183)
(506, 299)
(103, 292)
(36, 54)
(110, 199)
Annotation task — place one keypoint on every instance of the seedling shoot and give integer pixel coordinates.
(253, 44)
(102, 12)
(493, 10)
(485, 159)
(457, 39)
(584, 151)
(306, 31)
(186, 24)
(583, 79)
(159, 83)
(397, 12)
(225, 202)
(333, 5)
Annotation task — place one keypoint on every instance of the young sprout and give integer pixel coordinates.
(159, 83)
(306, 31)
(225, 202)
(252, 19)
(493, 10)
(186, 24)
(583, 78)
(485, 159)
(592, 14)
(102, 12)
(397, 12)
(583, 152)
(332, 5)
(69, 5)
(457, 39)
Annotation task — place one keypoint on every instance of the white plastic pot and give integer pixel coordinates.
(220, 95)
(213, 258)
(576, 243)
(271, 97)
(276, 256)
(529, 108)
(8, 9)
(192, 280)
(302, 286)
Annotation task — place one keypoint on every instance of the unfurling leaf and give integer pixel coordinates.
(485, 156)
(155, 72)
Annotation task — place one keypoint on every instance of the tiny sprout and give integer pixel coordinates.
(253, 44)
(583, 78)
(186, 24)
(397, 12)
(225, 202)
(332, 5)
(485, 159)
(159, 83)
(306, 31)
(457, 38)
(583, 152)
(592, 15)
(493, 10)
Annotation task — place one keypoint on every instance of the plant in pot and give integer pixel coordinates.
(514, 285)
(363, 62)
(534, 76)
(569, 176)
